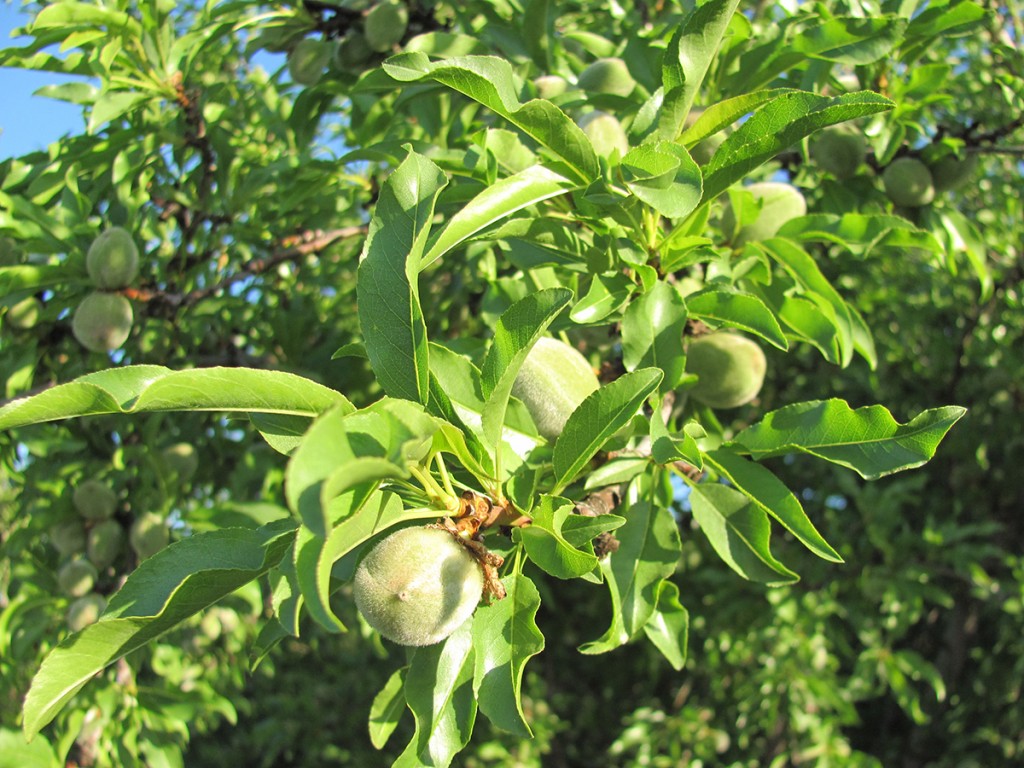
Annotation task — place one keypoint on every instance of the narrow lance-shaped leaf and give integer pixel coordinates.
(739, 532)
(506, 636)
(387, 287)
(649, 548)
(491, 82)
(164, 590)
(777, 125)
(652, 333)
(439, 691)
(517, 330)
(501, 199)
(772, 496)
(867, 440)
(597, 418)
(143, 388)
(739, 310)
(687, 59)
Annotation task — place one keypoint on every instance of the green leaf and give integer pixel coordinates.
(387, 289)
(506, 636)
(517, 330)
(739, 532)
(867, 440)
(547, 547)
(667, 448)
(491, 82)
(668, 628)
(725, 113)
(855, 41)
(652, 334)
(164, 590)
(739, 310)
(387, 708)
(649, 548)
(779, 124)
(144, 388)
(664, 176)
(16, 752)
(112, 105)
(689, 55)
(23, 277)
(860, 233)
(599, 417)
(500, 199)
(439, 691)
(773, 497)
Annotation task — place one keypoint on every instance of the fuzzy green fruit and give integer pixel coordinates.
(779, 203)
(908, 182)
(68, 537)
(731, 369)
(24, 314)
(104, 543)
(549, 86)
(307, 61)
(609, 75)
(605, 133)
(952, 172)
(102, 321)
(353, 52)
(113, 259)
(181, 459)
(553, 381)
(149, 534)
(385, 25)
(94, 500)
(840, 150)
(84, 611)
(77, 577)
(417, 586)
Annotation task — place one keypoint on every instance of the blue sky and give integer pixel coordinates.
(29, 122)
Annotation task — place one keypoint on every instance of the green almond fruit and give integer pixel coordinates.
(731, 369)
(385, 25)
(104, 543)
(94, 500)
(609, 75)
(908, 182)
(779, 203)
(149, 534)
(417, 586)
(84, 611)
(77, 577)
(550, 86)
(103, 321)
(182, 460)
(839, 150)
(552, 382)
(952, 172)
(353, 52)
(68, 537)
(113, 259)
(605, 133)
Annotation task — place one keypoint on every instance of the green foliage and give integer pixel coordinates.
(351, 256)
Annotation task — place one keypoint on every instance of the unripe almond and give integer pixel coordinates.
(102, 321)
(94, 500)
(731, 369)
(77, 577)
(610, 75)
(84, 611)
(605, 133)
(952, 172)
(840, 150)
(113, 259)
(780, 202)
(149, 534)
(104, 543)
(908, 182)
(552, 382)
(417, 586)
(385, 25)
(181, 460)
(68, 537)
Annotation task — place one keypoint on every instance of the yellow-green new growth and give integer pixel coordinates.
(417, 586)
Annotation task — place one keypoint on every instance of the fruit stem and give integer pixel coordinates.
(435, 492)
(445, 477)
